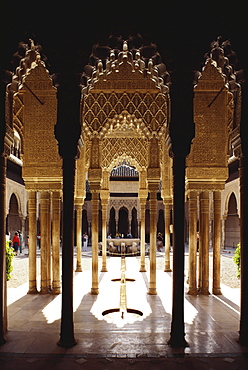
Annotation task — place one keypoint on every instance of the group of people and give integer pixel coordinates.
(119, 235)
(16, 243)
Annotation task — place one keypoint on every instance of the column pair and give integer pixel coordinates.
(203, 259)
(167, 238)
(142, 233)
(50, 273)
(153, 188)
(79, 236)
(104, 203)
(95, 191)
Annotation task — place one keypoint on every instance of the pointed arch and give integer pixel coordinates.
(232, 222)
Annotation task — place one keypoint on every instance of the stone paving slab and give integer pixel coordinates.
(211, 324)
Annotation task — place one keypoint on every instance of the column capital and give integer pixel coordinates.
(153, 186)
(78, 202)
(143, 193)
(95, 187)
(94, 175)
(167, 201)
(104, 195)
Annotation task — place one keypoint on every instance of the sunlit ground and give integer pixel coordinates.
(109, 296)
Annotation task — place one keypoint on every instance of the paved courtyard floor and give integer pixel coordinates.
(132, 342)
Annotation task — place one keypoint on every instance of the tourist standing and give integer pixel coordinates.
(21, 240)
(16, 242)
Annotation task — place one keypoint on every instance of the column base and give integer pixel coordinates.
(203, 291)
(94, 291)
(176, 342)
(217, 291)
(67, 344)
(152, 291)
(192, 291)
(243, 340)
(32, 291)
(104, 269)
(142, 269)
(2, 339)
(167, 269)
(44, 291)
(79, 269)
(56, 291)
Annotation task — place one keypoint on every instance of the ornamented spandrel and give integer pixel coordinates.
(125, 106)
(39, 113)
(207, 161)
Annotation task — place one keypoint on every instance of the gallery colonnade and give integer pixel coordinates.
(127, 111)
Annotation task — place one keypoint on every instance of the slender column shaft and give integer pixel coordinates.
(94, 288)
(32, 232)
(177, 337)
(67, 326)
(44, 208)
(104, 237)
(216, 242)
(200, 250)
(79, 237)
(192, 242)
(153, 238)
(48, 243)
(243, 333)
(142, 236)
(3, 300)
(56, 243)
(167, 239)
(204, 235)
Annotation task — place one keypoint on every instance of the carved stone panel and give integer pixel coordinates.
(207, 161)
(41, 159)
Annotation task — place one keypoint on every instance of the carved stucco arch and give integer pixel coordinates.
(21, 196)
(129, 204)
(124, 108)
(227, 199)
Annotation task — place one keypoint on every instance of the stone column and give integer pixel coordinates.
(3, 294)
(167, 239)
(217, 243)
(67, 132)
(32, 240)
(181, 131)
(116, 222)
(243, 332)
(153, 188)
(44, 210)
(204, 236)
(79, 237)
(104, 202)
(95, 200)
(67, 326)
(192, 242)
(49, 252)
(23, 231)
(130, 221)
(56, 270)
(177, 337)
(142, 234)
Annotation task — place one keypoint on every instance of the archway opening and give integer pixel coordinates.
(134, 223)
(123, 221)
(161, 222)
(232, 224)
(112, 228)
(13, 219)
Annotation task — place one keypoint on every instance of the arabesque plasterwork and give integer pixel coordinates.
(207, 167)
